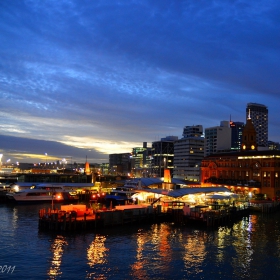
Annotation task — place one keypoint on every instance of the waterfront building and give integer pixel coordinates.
(163, 155)
(119, 164)
(188, 154)
(250, 171)
(259, 116)
(217, 138)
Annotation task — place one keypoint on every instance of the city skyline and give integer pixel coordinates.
(88, 79)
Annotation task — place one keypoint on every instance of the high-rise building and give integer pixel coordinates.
(217, 138)
(119, 164)
(188, 154)
(259, 115)
(163, 155)
(236, 135)
(141, 161)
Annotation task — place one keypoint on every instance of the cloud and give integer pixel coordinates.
(126, 72)
(31, 150)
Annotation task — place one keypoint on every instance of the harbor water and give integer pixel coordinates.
(249, 248)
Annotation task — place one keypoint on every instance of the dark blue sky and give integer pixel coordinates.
(87, 78)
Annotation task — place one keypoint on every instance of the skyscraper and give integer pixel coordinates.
(259, 116)
(236, 134)
(163, 155)
(188, 154)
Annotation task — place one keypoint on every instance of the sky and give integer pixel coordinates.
(83, 79)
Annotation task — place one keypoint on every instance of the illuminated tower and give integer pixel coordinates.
(87, 168)
(249, 138)
(259, 117)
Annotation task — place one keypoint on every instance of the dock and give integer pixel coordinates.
(211, 218)
(61, 220)
(264, 206)
(68, 220)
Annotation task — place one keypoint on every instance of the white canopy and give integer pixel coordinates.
(185, 191)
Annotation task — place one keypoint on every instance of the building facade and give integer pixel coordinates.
(217, 138)
(163, 156)
(119, 164)
(249, 172)
(188, 154)
(259, 115)
(236, 135)
(141, 161)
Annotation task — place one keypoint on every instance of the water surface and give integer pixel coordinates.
(247, 249)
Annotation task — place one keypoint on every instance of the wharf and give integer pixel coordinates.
(264, 206)
(59, 220)
(210, 218)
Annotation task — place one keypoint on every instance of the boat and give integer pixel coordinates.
(42, 193)
(19, 186)
(79, 187)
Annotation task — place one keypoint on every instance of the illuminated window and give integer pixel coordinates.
(264, 174)
(276, 174)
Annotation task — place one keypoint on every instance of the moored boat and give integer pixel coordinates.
(43, 193)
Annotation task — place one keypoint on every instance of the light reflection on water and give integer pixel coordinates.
(97, 255)
(248, 249)
(57, 248)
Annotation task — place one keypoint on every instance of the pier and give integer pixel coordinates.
(210, 218)
(264, 206)
(73, 218)
(61, 220)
